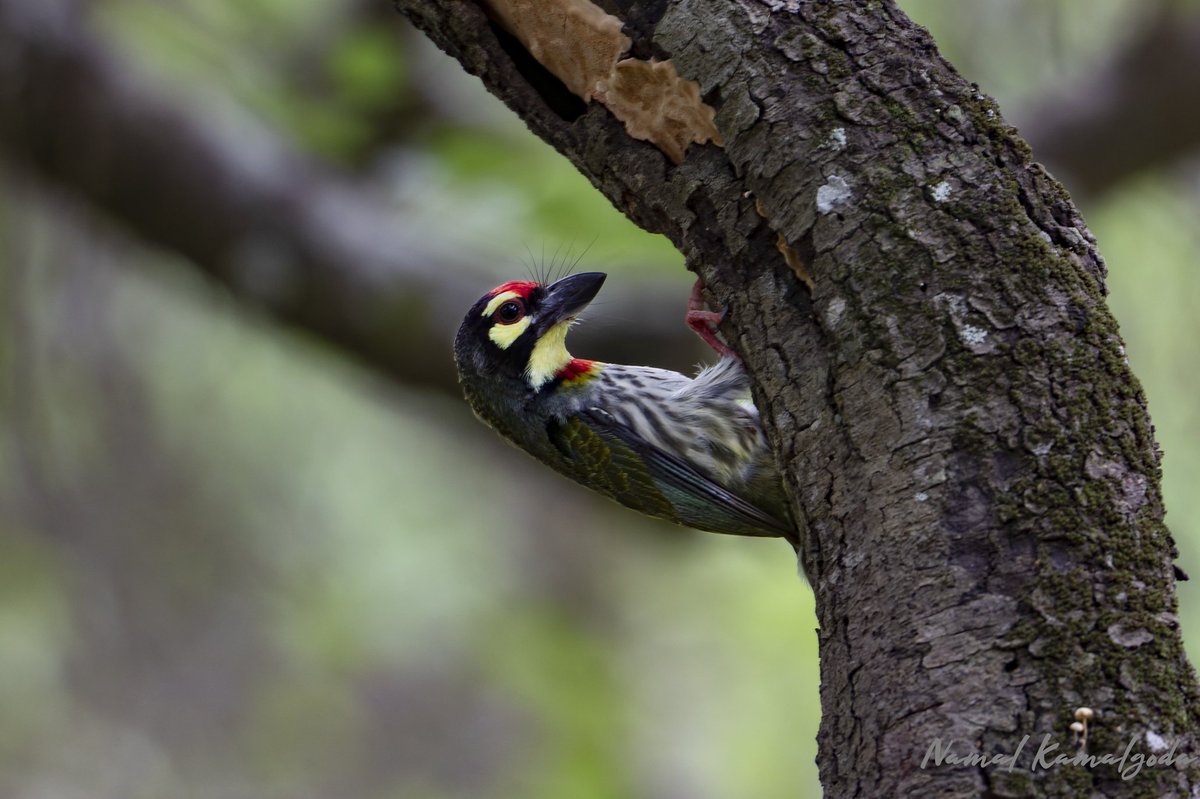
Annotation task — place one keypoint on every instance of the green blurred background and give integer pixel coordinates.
(237, 562)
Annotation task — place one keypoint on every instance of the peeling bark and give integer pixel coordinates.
(949, 402)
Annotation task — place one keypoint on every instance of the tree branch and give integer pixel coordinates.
(949, 403)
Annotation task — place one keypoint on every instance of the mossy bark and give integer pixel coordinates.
(970, 455)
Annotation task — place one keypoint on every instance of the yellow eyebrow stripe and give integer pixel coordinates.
(499, 300)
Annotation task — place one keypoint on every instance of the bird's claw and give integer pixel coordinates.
(704, 323)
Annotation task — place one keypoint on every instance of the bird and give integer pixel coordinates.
(690, 450)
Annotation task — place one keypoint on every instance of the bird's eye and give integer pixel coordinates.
(509, 312)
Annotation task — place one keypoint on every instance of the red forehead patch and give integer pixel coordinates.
(522, 287)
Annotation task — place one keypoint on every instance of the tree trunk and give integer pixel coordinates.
(922, 310)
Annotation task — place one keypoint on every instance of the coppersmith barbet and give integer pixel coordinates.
(688, 450)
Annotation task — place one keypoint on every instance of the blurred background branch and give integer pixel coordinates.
(284, 232)
(1134, 112)
(233, 564)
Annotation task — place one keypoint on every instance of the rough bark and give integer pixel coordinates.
(950, 403)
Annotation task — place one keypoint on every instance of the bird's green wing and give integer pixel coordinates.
(614, 459)
(610, 467)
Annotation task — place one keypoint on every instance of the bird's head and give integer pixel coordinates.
(518, 331)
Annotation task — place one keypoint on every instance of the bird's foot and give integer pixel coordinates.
(704, 323)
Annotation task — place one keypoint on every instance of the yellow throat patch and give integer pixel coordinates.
(549, 355)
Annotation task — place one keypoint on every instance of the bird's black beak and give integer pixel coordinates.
(566, 298)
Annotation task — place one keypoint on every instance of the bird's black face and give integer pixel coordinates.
(518, 331)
